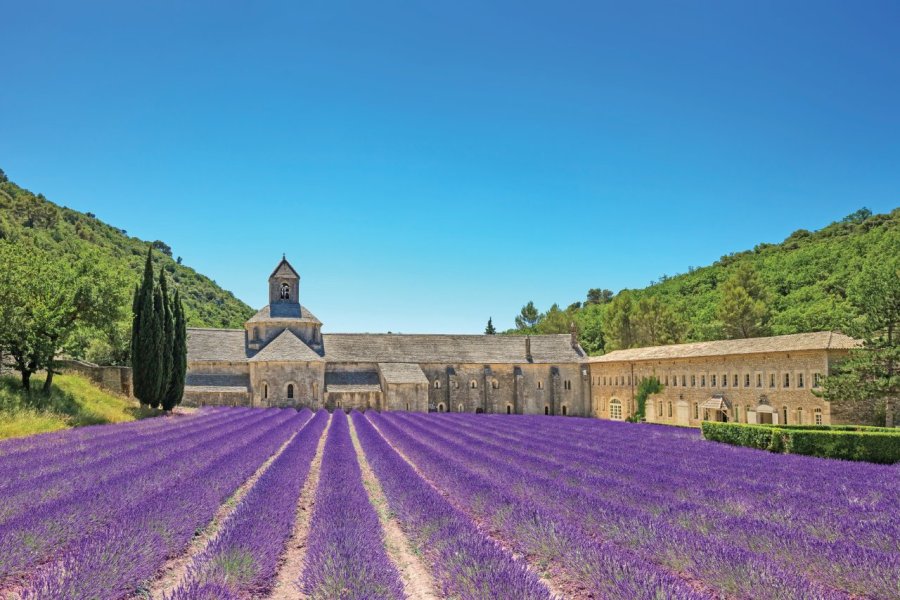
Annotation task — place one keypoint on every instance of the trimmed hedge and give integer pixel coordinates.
(870, 444)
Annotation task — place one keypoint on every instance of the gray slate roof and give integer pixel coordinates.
(819, 340)
(352, 381)
(420, 348)
(220, 345)
(283, 312)
(402, 373)
(218, 389)
(228, 345)
(285, 348)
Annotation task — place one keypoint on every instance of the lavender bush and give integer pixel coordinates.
(242, 560)
(346, 559)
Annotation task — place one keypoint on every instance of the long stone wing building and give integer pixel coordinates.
(759, 380)
(282, 358)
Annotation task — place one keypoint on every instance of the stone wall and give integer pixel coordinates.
(507, 388)
(113, 379)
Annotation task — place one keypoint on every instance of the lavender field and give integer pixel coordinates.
(275, 503)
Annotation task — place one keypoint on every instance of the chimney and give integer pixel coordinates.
(573, 334)
(528, 348)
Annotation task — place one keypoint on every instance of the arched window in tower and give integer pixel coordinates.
(285, 291)
(290, 390)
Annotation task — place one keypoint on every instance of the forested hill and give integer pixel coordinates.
(66, 232)
(801, 284)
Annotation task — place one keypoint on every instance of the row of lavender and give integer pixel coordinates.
(100, 530)
(346, 557)
(579, 563)
(594, 495)
(832, 522)
(464, 563)
(242, 560)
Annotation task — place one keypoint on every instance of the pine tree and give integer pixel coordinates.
(179, 357)
(490, 329)
(744, 306)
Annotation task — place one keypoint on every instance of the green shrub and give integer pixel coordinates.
(847, 442)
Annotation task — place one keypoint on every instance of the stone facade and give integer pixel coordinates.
(763, 380)
(113, 379)
(282, 358)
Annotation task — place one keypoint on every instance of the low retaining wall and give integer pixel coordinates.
(113, 379)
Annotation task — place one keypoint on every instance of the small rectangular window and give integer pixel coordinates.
(759, 380)
(747, 380)
(670, 410)
(703, 381)
(693, 381)
(817, 379)
(683, 380)
(787, 380)
(772, 380)
(724, 380)
(800, 381)
(712, 381)
(735, 380)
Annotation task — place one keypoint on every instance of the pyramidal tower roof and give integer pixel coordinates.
(284, 269)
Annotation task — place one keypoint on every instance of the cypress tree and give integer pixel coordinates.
(144, 359)
(168, 337)
(157, 381)
(179, 357)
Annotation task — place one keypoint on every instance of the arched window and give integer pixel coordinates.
(473, 384)
(265, 391)
(799, 415)
(441, 407)
(546, 410)
(540, 384)
(437, 384)
(817, 413)
(784, 410)
(509, 409)
(696, 410)
(290, 390)
(460, 408)
(659, 410)
(479, 411)
(407, 407)
(615, 410)
(495, 384)
(670, 410)
(285, 291)
(565, 410)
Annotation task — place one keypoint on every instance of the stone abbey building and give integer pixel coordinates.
(282, 358)
(758, 380)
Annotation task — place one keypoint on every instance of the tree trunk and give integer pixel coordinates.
(26, 379)
(48, 383)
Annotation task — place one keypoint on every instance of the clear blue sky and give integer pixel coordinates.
(426, 165)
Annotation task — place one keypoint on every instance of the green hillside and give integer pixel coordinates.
(806, 278)
(27, 217)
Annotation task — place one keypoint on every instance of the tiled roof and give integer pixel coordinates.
(419, 348)
(220, 345)
(219, 389)
(218, 380)
(820, 340)
(350, 388)
(283, 312)
(402, 373)
(286, 347)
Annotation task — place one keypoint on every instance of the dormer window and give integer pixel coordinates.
(285, 291)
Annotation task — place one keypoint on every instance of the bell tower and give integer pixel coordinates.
(284, 290)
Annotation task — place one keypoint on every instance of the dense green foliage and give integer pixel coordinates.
(873, 371)
(73, 401)
(45, 299)
(804, 283)
(870, 444)
(158, 341)
(26, 218)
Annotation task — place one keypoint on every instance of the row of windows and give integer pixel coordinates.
(567, 384)
(289, 391)
(797, 380)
